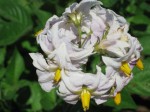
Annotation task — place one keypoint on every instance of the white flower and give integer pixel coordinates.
(79, 85)
(84, 29)
(116, 41)
(129, 58)
(120, 82)
(49, 71)
(120, 79)
(123, 55)
(44, 71)
(118, 65)
(135, 58)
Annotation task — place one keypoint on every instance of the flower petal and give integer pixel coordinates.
(39, 61)
(111, 62)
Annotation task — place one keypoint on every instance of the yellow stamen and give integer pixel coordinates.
(37, 33)
(57, 76)
(117, 98)
(125, 68)
(85, 99)
(139, 64)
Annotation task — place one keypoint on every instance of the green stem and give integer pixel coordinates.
(79, 31)
(106, 33)
(88, 35)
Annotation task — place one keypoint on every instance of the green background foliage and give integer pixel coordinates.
(19, 89)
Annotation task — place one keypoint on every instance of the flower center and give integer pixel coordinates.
(75, 18)
(85, 99)
(125, 68)
(57, 76)
(139, 64)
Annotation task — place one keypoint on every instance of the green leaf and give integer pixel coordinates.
(139, 19)
(2, 71)
(145, 41)
(49, 100)
(43, 16)
(15, 22)
(2, 55)
(59, 10)
(24, 3)
(54, 1)
(40, 99)
(9, 91)
(109, 3)
(15, 68)
(140, 83)
(131, 8)
(148, 30)
(126, 101)
(28, 46)
(35, 98)
(145, 6)
(36, 5)
(96, 61)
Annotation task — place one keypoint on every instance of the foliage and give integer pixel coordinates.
(20, 19)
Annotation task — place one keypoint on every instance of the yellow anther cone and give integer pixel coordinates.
(117, 98)
(125, 68)
(57, 76)
(85, 99)
(139, 64)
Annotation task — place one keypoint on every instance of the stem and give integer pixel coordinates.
(88, 35)
(79, 31)
(106, 33)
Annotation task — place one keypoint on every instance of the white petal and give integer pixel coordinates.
(66, 94)
(45, 76)
(86, 5)
(81, 54)
(47, 86)
(100, 100)
(70, 9)
(46, 80)
(45, 43)
(39, 61)
(51, 21)
(72, 80)
(72, 99)
(112, 51)
(109, 71)
(62, 58)
(62, 90)
(119, 83)
(111, 62)
(130, 52)
(104, 87)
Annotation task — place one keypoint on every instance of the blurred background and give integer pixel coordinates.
(19, 89)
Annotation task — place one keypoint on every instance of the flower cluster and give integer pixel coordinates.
(85, 29)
